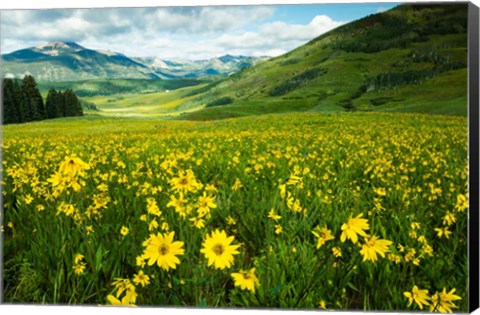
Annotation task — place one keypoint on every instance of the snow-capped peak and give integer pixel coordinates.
(55, 48)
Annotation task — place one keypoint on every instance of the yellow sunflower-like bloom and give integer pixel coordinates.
(353, 227)
(205, 203)
(323, 235)
(79, 268)
(141, 278)
(218, 250)
(124, 230)
(161, 249)
(443, 301)
(73, 166)
(272, 215)
(246, 280)
(374, 246)
(419, 296)
(116, 302)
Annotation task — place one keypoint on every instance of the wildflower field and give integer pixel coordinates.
(360, 211)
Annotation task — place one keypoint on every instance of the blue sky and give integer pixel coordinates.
(182, 32)
(338, 12)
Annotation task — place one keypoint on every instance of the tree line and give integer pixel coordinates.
(22, 102)
(301, 79)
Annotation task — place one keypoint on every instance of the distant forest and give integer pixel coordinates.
(22, 102)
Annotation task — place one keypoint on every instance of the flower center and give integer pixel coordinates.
(218, 249)
(183, 181)
(163, 250)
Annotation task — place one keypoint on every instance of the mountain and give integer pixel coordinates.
(57, 48)
(214, 67)
(43, 52)
(412, 58)
(68, 61)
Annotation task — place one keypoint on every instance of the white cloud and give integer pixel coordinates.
(208, 20)
(282, 31)
(182, 32)
(271, 52)
(278, 36)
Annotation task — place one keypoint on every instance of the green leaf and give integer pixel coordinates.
(351, 286)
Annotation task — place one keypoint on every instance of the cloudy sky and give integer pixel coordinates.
(181, 32)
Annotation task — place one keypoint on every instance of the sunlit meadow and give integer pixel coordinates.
(305, 211)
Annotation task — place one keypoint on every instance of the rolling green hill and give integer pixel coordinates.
(103, 87)
(160, 104)
(411, 58)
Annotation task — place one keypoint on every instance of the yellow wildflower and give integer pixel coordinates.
(323, 235)
(218, 250)
(353, 227)
(374, 246)
(419, 296)
(246, 280)
(141, 278)
(163, 251)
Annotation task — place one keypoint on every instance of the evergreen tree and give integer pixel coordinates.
(28, 107)
(68, 102)
(24, 103)
(60, 103)
(72, 104)
(79, 108)
(11, 114)
(19, 101)
(51, 104)
(34, 99)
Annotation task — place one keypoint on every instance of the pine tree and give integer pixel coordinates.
(11, 113)
(34, 98)
(68, 103)
(24, 103)
(51, 104)
(79, 108)
(60, 103)
(28, 107)
(71, 103)
(19, 101)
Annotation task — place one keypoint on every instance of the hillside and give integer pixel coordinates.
(410, 58)
(102, 87)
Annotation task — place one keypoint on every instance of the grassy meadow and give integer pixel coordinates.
(145, 105)
(364, 211)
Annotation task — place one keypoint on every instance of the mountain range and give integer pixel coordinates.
(214, 67)
(69, 61)
(412, 58)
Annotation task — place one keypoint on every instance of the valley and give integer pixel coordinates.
(396, 61)
(229, 181)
